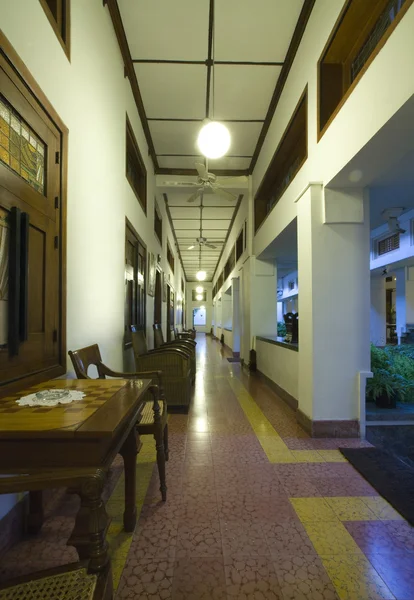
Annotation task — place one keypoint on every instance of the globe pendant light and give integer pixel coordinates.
(214, 138)
(199, 297)
(199, 289)
(201, 275)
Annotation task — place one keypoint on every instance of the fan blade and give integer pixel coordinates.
(180, 183)
(210, 246)
(225, 193)
(194, 196)
(201, 170)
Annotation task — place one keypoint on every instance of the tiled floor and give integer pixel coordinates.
(256, 510)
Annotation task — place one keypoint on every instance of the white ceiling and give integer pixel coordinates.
(209, 217)
(168, 42)
(161, 34)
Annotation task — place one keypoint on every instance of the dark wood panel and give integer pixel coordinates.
(37, 264)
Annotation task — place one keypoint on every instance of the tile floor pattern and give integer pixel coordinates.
(256, 509)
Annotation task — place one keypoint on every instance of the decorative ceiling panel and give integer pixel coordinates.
(166, 29)
(243, 91)
(174, 137)
(255, 30)
(188, 82)
(179, 162)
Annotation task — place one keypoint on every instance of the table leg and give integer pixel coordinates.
(129, 453)
(91, 524)
(36, 515)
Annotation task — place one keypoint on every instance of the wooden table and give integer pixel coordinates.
(73, 446)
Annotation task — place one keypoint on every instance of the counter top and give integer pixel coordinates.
(278, 341)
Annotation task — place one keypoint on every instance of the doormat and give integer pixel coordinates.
(389, 475)
(234, 359)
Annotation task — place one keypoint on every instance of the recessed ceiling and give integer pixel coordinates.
(172, 50)
(209, 217)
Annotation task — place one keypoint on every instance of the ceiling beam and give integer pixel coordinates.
(130, 73)
(290, 57)
(206, 63)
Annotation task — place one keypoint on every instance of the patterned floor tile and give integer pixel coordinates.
(303, 578)
(331, 537)
(382, 509)
(355, 578)
(243, 538)
(199, 539)
(199, 579)
(351, 509)
(313, 509)
(251, 579)
(146, 579)
(397, 571)
(288, 538)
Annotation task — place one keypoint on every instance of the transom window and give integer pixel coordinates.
(58, 13)
(135, 168)
(389, 244)
(20, 148)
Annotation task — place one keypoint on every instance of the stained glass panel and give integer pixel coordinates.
(20, 148)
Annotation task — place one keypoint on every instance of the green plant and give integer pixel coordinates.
(380, 358)
(393, 373)
(281, 329)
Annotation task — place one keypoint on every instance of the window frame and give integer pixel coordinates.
(132, 144)
(64, 40)
(157, 215)
(170, 257)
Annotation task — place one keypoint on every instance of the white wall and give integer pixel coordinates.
(92, 97)
(359, 119)
(281, 365)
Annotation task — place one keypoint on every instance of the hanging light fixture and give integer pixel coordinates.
(199, 289)
(199, 297)
(201, 275)
(214, 138)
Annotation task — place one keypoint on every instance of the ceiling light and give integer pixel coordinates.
(199, 289)
(213, 140)
(199, 297)
(190, 247)
(202, 307)
(201, 275)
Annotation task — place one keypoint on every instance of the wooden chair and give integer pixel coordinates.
(175, 364)
(184, 335)
(187, 345)
(154, 415)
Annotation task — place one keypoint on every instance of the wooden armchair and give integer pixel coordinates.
(185, 345)
(175, 364)
(154, 414)
(184, 335)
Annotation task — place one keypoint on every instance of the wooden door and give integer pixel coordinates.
(31, 244)
(135, 277)
(158, 298)
(170, 312)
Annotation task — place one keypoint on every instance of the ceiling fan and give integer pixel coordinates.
(202, 241)
(205, 181)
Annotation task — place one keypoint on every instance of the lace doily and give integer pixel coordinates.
(51, 398)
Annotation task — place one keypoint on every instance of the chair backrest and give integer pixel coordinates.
(139, 343)
(158, 337)
(83, 358)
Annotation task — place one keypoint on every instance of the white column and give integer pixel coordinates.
(334, 312)
(400, 302)
(236, 315)
(378, 311)
(409, 295)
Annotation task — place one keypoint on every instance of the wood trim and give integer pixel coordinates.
(209, 56)
(287, 65)
(167, 210)
(65, 43)
(131, 134)
(374, 54)
(328, 429)
(264, 182)
(41, 100)
(236, 210)
(192, 172)
(130, 73)
(201, 121)
(158, 61)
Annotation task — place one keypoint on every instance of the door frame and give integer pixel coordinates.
(36, 97)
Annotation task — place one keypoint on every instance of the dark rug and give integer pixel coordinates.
(234, 359)
(389, 475)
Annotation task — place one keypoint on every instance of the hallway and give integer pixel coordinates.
(256, 509)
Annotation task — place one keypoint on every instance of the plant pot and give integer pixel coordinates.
(384, 401)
